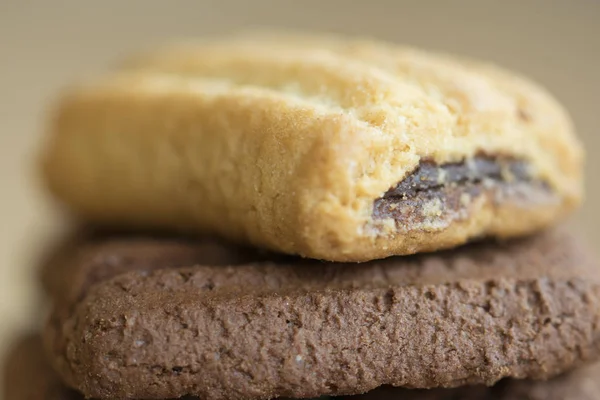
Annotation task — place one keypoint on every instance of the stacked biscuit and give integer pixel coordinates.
(296, 217)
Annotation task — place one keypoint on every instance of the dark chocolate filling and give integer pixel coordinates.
(434, 195)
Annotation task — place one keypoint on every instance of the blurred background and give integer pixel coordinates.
(44, 45)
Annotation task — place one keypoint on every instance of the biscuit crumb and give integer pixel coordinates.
(432, 208)
(465, 199)
(380, 227)
(471, 165)
(506, 174)
(488, 183)
(441, 178)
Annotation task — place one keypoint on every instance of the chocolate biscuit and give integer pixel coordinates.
(299, 146)
(28, 376)
(525, 309)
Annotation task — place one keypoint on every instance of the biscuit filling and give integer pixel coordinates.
(434, 195)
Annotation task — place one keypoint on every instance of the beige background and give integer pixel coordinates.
(45, 44)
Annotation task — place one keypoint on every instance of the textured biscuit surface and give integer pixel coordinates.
(27, 376)
(288, 144)
(299, 328)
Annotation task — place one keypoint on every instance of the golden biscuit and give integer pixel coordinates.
(344, 150)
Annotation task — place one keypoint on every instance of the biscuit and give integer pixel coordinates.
(29, 377)
(340, 150)
(525, 308)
